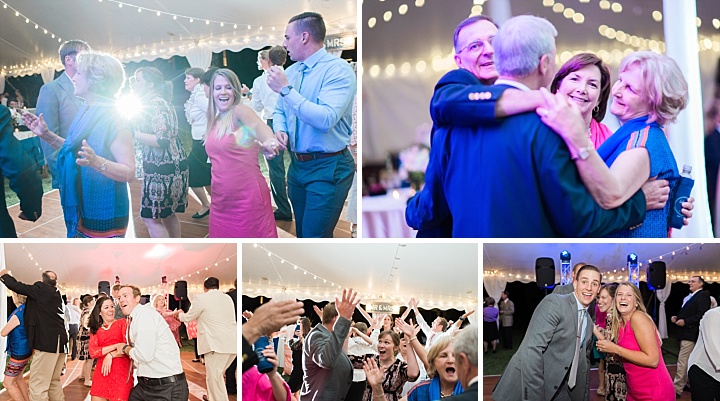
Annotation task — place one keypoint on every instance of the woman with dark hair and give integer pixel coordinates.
(241, 206)
(18, 349)
(165, 166)
(196, 115)
(491, 335)
(585, 79)
(88, 302)
(296, 345)
(111, 381)
(395, 372)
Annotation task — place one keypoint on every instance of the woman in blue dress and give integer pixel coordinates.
(18, 348)
(96, 160)
(650, 92)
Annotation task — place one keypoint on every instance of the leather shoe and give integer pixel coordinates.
(282, 217)
(197, 215)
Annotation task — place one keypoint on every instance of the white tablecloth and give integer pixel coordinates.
(384, 216)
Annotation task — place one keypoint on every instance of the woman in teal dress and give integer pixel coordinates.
(96, 160)
(650, 92)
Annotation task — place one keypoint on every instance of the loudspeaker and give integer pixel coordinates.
(181, 290)
(545, 272)
(656, 275)
(104, 286)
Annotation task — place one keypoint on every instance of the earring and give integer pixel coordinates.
(596, 109)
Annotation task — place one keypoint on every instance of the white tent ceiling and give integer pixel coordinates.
(133, 36)
(79, 266)
(396, 97)
(439, 275)
(516, 262)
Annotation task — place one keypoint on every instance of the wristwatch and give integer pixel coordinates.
(583, 153)
(285, 90)
(125, 347)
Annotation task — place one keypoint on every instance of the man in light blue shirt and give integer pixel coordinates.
(312, 118)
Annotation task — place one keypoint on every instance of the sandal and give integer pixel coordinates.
(601, 391)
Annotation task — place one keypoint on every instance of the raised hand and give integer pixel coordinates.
(372, 372)
(407, 329)
(270, 317)
(318, 311)
(247, 314)
(346, 306)
(36, 124)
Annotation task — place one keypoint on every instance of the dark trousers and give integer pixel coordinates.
(506, 336)
(318, 189)
(278, 185)
(230, 378)
(177, 391)
(357, 389)
(702, 386)
(72, 333)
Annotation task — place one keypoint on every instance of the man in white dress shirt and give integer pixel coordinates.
(217, 334)
(264, 101)
(153, 350)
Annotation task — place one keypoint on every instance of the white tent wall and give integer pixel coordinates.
(140, 30)
(440, 276)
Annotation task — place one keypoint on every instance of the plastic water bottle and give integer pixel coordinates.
(263, 366)
(682, 193)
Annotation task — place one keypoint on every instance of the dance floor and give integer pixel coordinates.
(75, 390)
(52, 225)
(489, 383)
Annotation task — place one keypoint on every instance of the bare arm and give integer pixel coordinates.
(122, 169)
(11, 324)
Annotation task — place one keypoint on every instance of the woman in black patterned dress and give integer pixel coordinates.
(88, 302)
(395, 372)
(615, 377)
(165, 166)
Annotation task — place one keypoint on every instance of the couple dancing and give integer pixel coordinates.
(142, 338)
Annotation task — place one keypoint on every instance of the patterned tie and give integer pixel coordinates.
(297, 85)
(573, 370)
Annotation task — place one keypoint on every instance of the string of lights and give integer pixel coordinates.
(619, 273)
(283, 261)
(145, 289)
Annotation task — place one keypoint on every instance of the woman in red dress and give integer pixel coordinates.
(111, 381)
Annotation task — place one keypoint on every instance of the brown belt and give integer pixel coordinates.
(305, 157)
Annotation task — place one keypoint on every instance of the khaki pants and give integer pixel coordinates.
(45, 376)
(215, 366)
(686, 348)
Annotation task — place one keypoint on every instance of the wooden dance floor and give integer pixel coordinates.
(52, 225)
(489, 383)
(75, 390)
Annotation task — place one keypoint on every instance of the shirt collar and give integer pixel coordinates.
(514, 84)
(473, 381)
(314, 58)
(579, 305)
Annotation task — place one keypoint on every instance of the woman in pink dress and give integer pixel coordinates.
(111, 380)
(160, 305)
(241, 206)
(638, 344)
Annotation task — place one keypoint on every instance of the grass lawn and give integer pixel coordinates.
(495, 363)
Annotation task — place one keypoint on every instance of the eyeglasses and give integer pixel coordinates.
(477, 46)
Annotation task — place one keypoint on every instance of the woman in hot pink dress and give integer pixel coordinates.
(638, 344)
(241, 206)
(111, 380)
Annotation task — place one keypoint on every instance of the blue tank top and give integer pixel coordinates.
(18, 345)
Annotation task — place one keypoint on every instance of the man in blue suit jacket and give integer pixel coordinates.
(57, 101)
(21, 170)
(514, 178)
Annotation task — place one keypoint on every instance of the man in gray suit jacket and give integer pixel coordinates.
(543, 363)
(57, 101)
(327, 371)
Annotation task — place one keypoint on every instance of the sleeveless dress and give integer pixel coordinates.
(645, 384)
(117, 384)
(638, 133)
(615, 376)
(241, 206)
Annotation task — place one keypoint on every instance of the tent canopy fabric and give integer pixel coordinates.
(438, 275)
(516, 262)
(80, 266)
(161, 29)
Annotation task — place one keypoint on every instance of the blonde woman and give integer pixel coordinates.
(241, 206)
(160, 305)
(637, 342)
